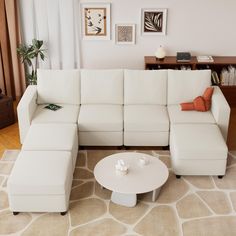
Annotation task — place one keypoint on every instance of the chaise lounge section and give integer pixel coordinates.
(197, 139)
(42, 176)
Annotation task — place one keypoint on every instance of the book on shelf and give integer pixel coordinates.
(205, 59)
(215, 78)
(228, 76)
(183, 57)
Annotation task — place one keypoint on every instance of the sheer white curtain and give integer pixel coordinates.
(57, 23)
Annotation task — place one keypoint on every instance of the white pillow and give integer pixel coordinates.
(145, 87)
(102, 86)
(184, 86)
(58, 86)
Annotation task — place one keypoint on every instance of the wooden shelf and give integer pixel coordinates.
(151, 63)
(227, 86)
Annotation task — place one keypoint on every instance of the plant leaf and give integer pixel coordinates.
(152, 21)
(41, 55)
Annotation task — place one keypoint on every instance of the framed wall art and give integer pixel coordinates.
(154, 21)
(95, 21)
(125, 33)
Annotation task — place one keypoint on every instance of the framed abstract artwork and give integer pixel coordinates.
(154, 21)
(125, 33)
(95, 21)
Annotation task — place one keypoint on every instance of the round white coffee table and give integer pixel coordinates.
(139, 179)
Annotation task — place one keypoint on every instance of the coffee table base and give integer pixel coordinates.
(130, 200)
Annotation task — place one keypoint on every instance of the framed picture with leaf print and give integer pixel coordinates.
(95, 21)
(154, 21)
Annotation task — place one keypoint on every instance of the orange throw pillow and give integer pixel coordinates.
(187, 106)
(207, 97)
(200, 103)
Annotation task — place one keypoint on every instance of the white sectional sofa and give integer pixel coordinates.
(120, 107)
(112, 108)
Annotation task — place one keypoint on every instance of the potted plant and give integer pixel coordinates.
(30, 55)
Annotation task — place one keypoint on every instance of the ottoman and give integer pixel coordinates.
(40, 181)
(197, 149)
(52, 137)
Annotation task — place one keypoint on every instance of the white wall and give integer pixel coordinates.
(198, 26)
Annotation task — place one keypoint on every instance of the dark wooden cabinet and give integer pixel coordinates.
(6, 112)
(229, 93)
(151, 63)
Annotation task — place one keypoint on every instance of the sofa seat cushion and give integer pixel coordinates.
(101, 118)
(50, 137)
(178, 116)
(197, 141)
(145, 118)
(41, 173)
(67, 114)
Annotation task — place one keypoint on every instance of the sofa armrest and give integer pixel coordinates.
(221, 111)
(26, 109)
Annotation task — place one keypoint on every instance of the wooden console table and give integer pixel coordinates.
(229, 91)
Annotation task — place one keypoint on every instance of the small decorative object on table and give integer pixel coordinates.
(143, 161)
(53, 107)
(160, 53)
(183, 56)
(205, 59)
(121, 168)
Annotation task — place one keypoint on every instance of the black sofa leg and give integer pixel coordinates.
(220, 176)
(15, 213)
(178, 176)
(63, 213)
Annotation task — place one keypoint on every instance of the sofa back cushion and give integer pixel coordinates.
(102, 86)
(58, 86)
(145, 87)
(185, 85)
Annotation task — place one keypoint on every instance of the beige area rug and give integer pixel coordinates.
(201, 206)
